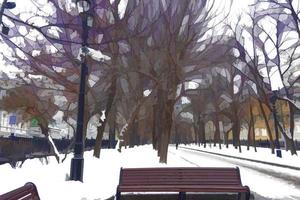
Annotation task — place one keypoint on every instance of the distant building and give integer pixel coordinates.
(9, 124)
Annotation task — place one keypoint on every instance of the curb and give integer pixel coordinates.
(247, 159)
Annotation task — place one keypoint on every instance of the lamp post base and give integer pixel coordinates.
(76, 173)
(278, 153)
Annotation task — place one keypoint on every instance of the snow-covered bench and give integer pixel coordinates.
(182, 180)
(26, 192)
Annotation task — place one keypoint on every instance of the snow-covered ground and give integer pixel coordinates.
(263, 154)
(101, 176)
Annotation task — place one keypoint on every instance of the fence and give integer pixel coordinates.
(18, 148)
(266, 143)
(259, 143)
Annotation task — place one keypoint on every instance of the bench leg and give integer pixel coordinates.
(182, 196)
(118, 195)
(247, 196)
(239, 196)
(248, 193)
(243, 196)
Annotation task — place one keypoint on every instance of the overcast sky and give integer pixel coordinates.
(239, 7)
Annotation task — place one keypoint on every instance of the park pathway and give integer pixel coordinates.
(265, 181)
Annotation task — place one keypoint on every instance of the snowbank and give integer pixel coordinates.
(101, 176)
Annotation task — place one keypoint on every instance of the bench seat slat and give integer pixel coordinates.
(149, 180)
(179, 177)
(182, 188)
(178, 172)
(180, 168)
(187, 184)
(188, 179)
(180, 181)
(183, 175)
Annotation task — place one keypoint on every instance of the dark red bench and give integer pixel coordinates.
(182, 180)
(26, 192)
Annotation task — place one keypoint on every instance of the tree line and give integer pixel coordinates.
(157, 69)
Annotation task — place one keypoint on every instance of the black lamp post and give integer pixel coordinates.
(5, 5)
(277, 145)
(77, 162)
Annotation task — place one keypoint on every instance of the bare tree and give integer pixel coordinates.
(284, 59)
(26, 99)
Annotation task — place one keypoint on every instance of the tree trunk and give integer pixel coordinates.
(132, 118)
(159, 117)
(236, 128)
(267, 126)
(236, 125)
(226, 137)
(217, 135)
(101, 128)
(53, 149)
(98, 142)
(235, 132)
(196, 130)
(253, 128)
(202, 132)
(239, 144)
(249, 135)
(166, 131)
(155, 127)
(289, 141)
(112, 130)
(133, 137)
(250, 125)
(292, 119)
(71, 146)
(177, 137)
(290, 144)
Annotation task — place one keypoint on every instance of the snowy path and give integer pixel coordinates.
(267, 182)
(290, 179)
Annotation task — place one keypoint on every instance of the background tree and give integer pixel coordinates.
(33, 102)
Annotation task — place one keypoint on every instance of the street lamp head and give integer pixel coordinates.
(83, 5)
(5, 5)
(9, 5)
(5, 30)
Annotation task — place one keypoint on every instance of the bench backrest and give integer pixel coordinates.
(180, 176)
(26, 192)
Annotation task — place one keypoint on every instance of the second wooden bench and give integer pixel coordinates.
(26, 192)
